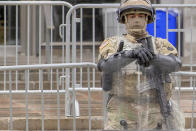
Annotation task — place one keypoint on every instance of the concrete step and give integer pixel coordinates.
(185, 83)
(50, 109)
(188, 119)
(188, 68)
(66, 123)
(34, 82)
(87, 53)
(34, 76)
(34, 85)
(22, 59)
(51, 123)
(50, 104)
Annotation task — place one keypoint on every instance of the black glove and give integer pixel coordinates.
(148, 44)
(142, 55)
(120, 59)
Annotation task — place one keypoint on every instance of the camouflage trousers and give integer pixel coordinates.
(141, 115)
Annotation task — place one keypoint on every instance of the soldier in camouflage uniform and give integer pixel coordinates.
(124, 61)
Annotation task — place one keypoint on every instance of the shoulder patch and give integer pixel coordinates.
(104, 44)
(108, 41)
(108, 47)
(166, 47)
(170, 48)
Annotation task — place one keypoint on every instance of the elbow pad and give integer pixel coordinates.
(116, 62)
(112, 64)
(167, 63)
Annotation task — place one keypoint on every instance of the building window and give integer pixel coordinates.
(10, 28)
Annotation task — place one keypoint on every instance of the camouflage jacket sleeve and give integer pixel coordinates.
(107, 48)
(164, 47)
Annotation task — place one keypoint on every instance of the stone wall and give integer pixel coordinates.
(171, 1)
(189, 25)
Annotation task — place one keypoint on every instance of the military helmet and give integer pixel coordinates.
(133, 6)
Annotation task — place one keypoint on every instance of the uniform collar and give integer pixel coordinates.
(132, 39)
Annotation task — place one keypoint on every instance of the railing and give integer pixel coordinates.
(75, 20)
(34, 34)
(39, 48)
(183, 32)
(27, 90)
(179, 77)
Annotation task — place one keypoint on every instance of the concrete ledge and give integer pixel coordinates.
(65, 123)
(188, 122)
(4, 124)
(52, 123)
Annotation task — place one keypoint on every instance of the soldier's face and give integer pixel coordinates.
(136, 15)
(136, 21)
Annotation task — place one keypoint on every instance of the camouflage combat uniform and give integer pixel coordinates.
(139, 108)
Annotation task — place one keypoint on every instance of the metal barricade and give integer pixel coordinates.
(75, 17)
(30, 30)
(33, 42)
(43, 51)
(186, 96)
(75, 24)
(30, 94)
